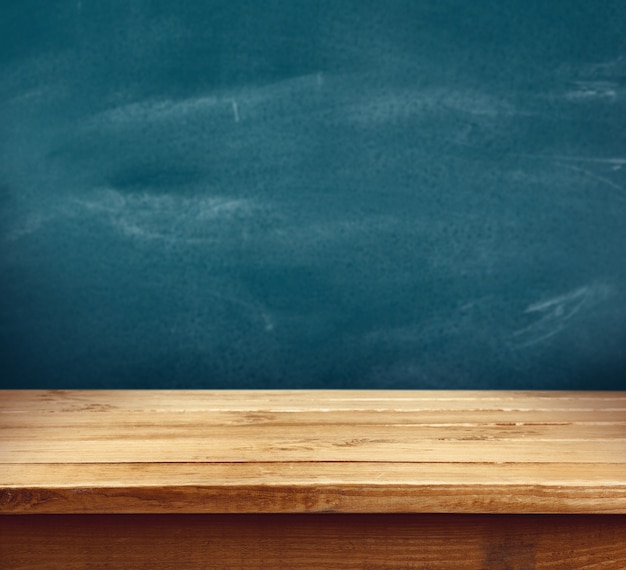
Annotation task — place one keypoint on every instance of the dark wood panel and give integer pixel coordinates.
(493, 542)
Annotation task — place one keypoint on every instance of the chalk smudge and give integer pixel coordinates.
(555, 314)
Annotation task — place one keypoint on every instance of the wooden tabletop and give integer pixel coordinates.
(312, 452)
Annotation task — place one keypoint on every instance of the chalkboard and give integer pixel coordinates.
(306, 194)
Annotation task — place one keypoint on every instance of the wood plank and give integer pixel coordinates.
(172, 426)
(433, 542)
(51, 401)
(343, 446)
(73, 475)
(308, 487)
(360, 416)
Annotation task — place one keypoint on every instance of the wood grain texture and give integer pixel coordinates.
(312, 451)
(370, 542)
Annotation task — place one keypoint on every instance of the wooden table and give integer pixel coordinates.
(312, 479)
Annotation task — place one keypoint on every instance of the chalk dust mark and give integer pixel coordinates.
(593, 90)
(155, 110)
(596, 177)
(556, 313)
(235, 111)
(255, 313)
(268, 322)
(29, 226)
(596, 159)
(557, 301)
(168, 218)
(569, 163)
(614, 68)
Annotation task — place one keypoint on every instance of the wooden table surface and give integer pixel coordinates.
(360, 454)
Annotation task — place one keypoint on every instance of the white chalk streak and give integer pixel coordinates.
(379, 107)
(211, 104)
(602, 179)
(560, 300)
(564, 158)
(170, 218)
(556, 313)
(593, 90)
(156, 109)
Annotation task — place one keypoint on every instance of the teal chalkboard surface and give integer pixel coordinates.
(299, 193)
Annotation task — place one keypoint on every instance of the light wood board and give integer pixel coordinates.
(312, 451)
